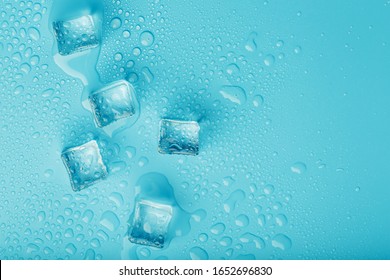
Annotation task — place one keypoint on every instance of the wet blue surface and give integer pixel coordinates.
(292, 100)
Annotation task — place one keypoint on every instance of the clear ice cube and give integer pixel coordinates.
(113, 102)
(84, 164)
(150, 223)
(76, 35)
(179, 137)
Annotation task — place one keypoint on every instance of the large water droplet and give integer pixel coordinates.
(110, 220)
(71, 249)
(281, 241)
(218, 228)
(242, 220)
(34, 33)
(234, 94)
(249, 237)
(146, 38)
(230, 203)
(197, 253)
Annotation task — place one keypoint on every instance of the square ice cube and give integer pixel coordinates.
(113, 102)
(84, 164)
(150, 223)
(76, 35)
(179, 137)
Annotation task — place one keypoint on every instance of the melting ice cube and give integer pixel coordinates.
(113, 102)
(150, 223)
(179, 137)
(76, 35)
(84, 164)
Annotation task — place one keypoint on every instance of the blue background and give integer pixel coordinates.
(303, 162)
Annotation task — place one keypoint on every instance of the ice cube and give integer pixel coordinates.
(113, 102)
(179, 137)
(76, 35)
(150, 223)
(84, 164)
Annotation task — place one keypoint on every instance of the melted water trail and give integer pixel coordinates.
(80, 64)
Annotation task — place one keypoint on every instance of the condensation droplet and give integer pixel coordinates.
(146, 38)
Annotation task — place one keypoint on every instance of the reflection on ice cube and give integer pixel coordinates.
(76, 35)
(150, 223)
(84, 164)
(179, 137)
(113, 102)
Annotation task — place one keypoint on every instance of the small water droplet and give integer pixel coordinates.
(258, 100)
(115, 23)
(232, 69)
(48, 173)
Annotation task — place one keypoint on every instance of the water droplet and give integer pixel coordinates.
(298, 168)
(110, 220)
(226, 241)
(234, 94)
(19, 90)
(47, 92)
(269, 189)
(87, 216)
(242, 220)
(281, 241)
(230, 204)
(281, 220)
(249, 237)
(136, 51)
(126, 34)
(115, 23)
(118, 56)
(144, 252)
(203, 237)
(89, 254)
(71, 249)
(48, 173)
(32, 248)
(250, 44)
(297, 50)
(269, 60)
(41, 216)
(197, 253)
(218, 228)
(258, 100)
(143, 161)
(148, 75)
(232, 69)
(34, 33)
(199, 215)
(130, 151)
(146, 38)
(117, 198)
